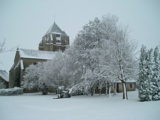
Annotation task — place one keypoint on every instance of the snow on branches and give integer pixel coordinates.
(100, 55)
(149, 75)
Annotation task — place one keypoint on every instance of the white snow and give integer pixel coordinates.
(11, 91)
(132, 80)
(36, 54)
(7, 59)
(4, 75)
(17, 65)
(37, 107)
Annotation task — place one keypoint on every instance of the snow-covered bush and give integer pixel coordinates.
(53, 73)
(31, 78)
(82, 88)
(11, 91)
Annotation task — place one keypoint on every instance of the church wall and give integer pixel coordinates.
(14, 77)
(29, 61)
(11, 78)
(13, 71)
(3, 83)
(17, 57)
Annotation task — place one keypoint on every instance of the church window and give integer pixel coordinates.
(51, 36)
(58, 37)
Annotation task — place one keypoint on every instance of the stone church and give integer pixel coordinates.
(54, 40)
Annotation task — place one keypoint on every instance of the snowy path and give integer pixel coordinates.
(38, 107)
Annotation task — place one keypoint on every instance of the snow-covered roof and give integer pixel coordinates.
(36, 54)
(4, 75)
(55, 29)
(127, 81)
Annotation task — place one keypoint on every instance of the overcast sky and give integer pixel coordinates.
(24, 22)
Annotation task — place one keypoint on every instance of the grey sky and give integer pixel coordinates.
(24, 22)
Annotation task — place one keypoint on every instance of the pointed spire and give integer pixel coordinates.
(17, 48)
(55, 29)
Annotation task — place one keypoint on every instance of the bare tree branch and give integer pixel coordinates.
(2, 46)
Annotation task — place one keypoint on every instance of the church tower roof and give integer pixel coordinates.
(55, 29)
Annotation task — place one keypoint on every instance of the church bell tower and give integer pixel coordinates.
(54, 40)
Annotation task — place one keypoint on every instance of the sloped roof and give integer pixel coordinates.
(4, 75)
(36, 54)
(129, 81)
(55, 29)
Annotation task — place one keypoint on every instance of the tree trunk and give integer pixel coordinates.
(92, 91)
(126, 91)
(115, 88)
(100, 91)
(125, 96)
(109, 91)
(106, 91)
(107, 88)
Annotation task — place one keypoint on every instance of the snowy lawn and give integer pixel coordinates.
(38, 107)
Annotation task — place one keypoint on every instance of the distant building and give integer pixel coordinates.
(54, 40)
(24, 58)
(117, 87)
(130, 85)
(103, 87)
(4, 79)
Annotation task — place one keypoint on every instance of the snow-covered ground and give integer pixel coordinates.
(37, 107)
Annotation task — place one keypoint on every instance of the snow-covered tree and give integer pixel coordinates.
(51, 72)
(149, 68)
(123, 62)
(156, 76)
(100, 55)
(143, 83)
(87, 44)
(31, 80)
(104, 51)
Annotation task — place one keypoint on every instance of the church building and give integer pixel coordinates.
(54, 40)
